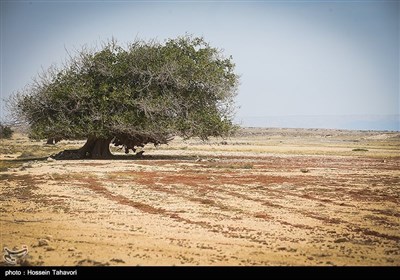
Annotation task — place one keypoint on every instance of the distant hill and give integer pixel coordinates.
(351, 122)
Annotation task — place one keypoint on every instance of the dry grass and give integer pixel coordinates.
(275, 197)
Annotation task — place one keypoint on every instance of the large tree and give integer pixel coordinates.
(147, 92)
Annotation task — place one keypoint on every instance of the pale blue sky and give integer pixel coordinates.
(294, 57)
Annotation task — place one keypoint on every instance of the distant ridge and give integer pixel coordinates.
(350, 122)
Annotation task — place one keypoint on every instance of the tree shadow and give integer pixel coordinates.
(111, 158)
(153, 157)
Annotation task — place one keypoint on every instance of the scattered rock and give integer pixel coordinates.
(29, 262)
(71, 249)
(87, 262)
(304, 170)
(48, 237)
(117, 260)
(43, 242)
(198, 159)
(340, 240)
(50, 159)
(50, 248)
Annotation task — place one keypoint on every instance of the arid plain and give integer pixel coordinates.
(264, 197)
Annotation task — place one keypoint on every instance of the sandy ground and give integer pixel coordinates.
(265, 197)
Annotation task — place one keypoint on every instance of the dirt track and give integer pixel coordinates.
(258, 199)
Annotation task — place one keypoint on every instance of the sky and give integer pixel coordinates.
(301, 62)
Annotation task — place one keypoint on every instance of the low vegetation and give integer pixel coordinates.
(5, 131)
(360, 150)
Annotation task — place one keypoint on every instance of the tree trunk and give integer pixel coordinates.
(94, 148)
(53, 141)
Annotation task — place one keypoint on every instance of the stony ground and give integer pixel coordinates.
(265, 197)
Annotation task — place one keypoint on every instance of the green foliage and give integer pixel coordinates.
(5, 132)
(148, 91)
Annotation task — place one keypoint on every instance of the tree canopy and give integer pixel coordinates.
(146, 92)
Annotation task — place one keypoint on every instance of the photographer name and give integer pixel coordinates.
(32, 272)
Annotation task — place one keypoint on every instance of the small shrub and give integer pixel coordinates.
(5, 132)
(247, 166)
(360, 150)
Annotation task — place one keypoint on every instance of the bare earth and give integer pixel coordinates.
(264, 197)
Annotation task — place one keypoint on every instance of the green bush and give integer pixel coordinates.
(5, 132)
